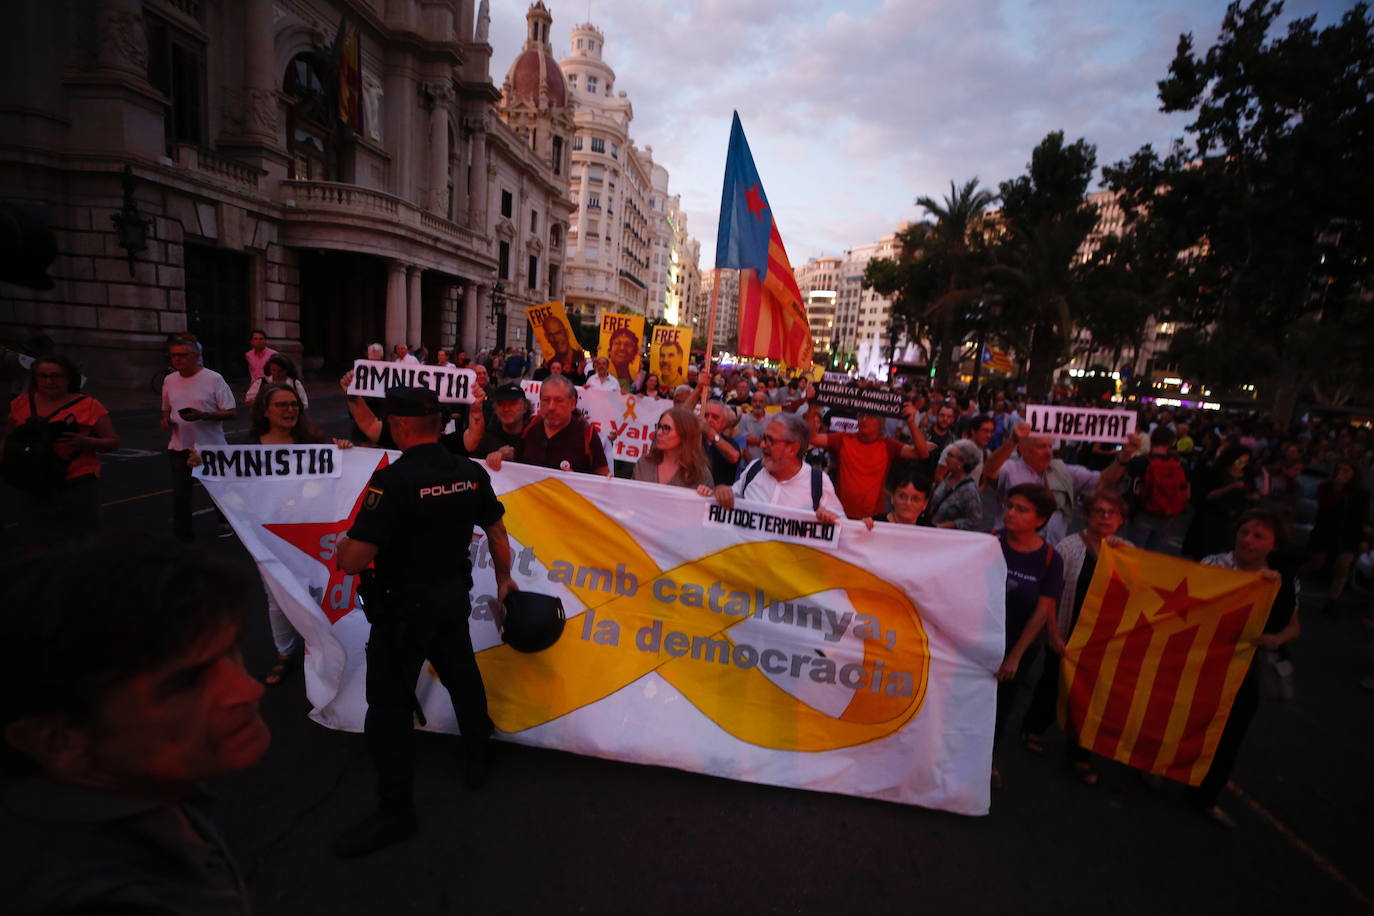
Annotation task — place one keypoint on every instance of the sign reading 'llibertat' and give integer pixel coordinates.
(851, 396)
(1085, 424)
(246, 462)
(371, 379)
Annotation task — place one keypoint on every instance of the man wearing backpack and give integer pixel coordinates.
(557, 439)
(1159, 485)
(781, 478)
(195, 403)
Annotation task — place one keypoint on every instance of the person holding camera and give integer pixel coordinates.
(416, 523)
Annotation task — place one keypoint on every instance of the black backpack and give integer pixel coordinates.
(31, 462)
(753, 471)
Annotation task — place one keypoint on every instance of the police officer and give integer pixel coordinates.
(416, 522)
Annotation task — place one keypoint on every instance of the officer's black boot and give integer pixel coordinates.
(381, 828)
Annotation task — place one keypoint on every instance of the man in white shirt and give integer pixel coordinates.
(602, 380)
(781, 478)
(403, 354)
(195, 403)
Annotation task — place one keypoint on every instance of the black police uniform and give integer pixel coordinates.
(420, 513)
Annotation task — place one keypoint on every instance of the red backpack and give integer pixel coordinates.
(1164, 488)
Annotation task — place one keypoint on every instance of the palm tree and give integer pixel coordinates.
(951, 241)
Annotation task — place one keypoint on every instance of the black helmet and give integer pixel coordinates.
(533, 621)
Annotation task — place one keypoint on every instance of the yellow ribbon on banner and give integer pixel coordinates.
(529, 690)
(629, 413)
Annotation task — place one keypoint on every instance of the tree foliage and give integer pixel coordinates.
(1045, 219)
(1258, 223)
(938, 276)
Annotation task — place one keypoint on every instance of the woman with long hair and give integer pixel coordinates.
(651, 387)
(279, 418)
(279, 370)
(68, 507)
(676, 457)
(1222, 491)
(1342, 508)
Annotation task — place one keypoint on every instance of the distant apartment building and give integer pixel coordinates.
(621, 240)
(861, 314)
(819, 282)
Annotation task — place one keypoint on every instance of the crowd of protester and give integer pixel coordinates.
(1228, 488)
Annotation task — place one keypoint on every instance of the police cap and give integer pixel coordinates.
(508, 392)
(403, 401)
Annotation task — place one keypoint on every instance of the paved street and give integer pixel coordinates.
(558, 833)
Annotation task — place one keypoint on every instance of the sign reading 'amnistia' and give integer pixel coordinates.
(248, 462)
(371, 379)
(1085, 424)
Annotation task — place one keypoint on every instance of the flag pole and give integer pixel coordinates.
(711, 321)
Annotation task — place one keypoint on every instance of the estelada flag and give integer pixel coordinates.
(1156, 657)
(997, 360)
(772, 317)
(348, 48)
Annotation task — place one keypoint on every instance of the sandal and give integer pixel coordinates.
(1032, 742)
(1086, 772)
(284, 666)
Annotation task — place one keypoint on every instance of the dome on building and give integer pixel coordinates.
(534, 70)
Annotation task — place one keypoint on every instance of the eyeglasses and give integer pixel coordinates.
(774, 440)
(287, 405)
(665, 428)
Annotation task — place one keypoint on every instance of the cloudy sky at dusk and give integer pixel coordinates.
(854, 109)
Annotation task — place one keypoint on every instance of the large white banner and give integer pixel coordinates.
(860, 664)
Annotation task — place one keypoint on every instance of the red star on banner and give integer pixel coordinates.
(1177, 601)
(317, 540)
(755, 202)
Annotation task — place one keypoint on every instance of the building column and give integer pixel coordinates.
(259, 72)
(440, 95)
(483, 311)
(480, 190)
(395, 305)
(470, 318)
(400, 95)
(413, 316)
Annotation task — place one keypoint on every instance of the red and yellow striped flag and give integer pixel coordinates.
(1159, 650)
(772, 318)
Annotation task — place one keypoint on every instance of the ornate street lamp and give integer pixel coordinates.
(131, 227)
(498, 302)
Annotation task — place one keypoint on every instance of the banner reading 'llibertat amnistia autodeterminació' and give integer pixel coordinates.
(755, 644)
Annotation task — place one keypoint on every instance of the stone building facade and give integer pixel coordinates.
(270, 201)
(819, 282)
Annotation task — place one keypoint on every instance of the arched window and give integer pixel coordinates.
(556, 237)
(309, 123)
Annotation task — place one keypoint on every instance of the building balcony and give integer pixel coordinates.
(335, 210)
(218, 168)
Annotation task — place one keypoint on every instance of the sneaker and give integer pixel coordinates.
(379, 829)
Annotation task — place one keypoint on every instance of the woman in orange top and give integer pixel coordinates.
(71, 509)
